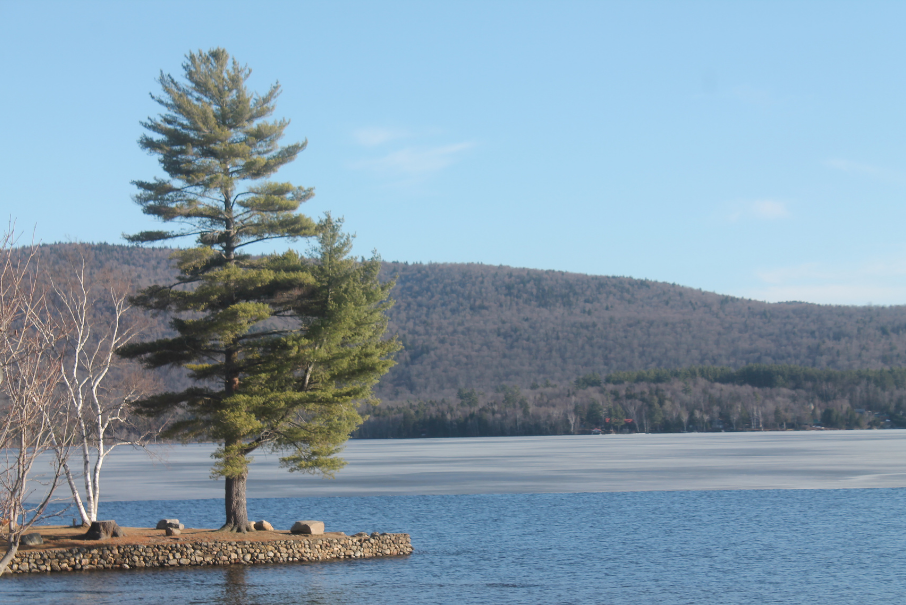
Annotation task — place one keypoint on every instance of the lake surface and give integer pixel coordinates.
(745, 535)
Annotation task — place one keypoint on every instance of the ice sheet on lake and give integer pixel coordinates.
(706, 461)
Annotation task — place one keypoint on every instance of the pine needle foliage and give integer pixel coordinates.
(281, 348)
(213, 137)
(303, 398)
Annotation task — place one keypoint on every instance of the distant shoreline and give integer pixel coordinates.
(588, 432)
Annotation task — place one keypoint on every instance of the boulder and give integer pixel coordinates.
(263, 526)
(101, 530)
(307, 527)
(31, 540)
(173, 531)
(165, 523)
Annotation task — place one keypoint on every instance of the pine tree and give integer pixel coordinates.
(247, 326)
(309, 383)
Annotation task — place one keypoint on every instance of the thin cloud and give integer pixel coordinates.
(414, 161)
(847, 166)
(833, 294)
(372, 137)
(868, 170)
(781, 275)
(877, 280)
(768, 210)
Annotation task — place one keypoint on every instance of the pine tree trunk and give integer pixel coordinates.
(237, 517)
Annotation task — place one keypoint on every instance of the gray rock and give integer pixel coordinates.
(101, 530)
(173, 531)
(165, 523)
(31, 540)
(263, 526)
(307, 527)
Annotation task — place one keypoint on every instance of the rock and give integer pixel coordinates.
(263, 526)
(173, 531)
(101, 530)
(31, 540)
(361, 534)
(165, 523)
(307, 527)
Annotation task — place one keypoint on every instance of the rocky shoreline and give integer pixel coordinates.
(122, 555)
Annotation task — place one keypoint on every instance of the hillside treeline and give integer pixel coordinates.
(484, 326)
(703, 399)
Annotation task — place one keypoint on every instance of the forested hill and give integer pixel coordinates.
(479, 326)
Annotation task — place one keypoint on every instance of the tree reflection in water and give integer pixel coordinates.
(234, 589)
(278, 584)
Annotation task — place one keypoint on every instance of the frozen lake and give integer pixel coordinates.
(561, 464)
(480, 513)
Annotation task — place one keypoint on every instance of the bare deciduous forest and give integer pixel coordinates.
(502, 351)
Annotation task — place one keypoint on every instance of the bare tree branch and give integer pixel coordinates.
(32, 418)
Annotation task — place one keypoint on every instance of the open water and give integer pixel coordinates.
(718, 544)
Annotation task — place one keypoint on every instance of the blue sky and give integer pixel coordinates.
(752, 149)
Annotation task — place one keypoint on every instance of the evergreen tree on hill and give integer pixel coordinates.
(280, 347)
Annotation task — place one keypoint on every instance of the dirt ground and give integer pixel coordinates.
(64, 536)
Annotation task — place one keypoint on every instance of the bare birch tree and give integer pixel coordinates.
(99, 385)
(32, 421)
(633, 407)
